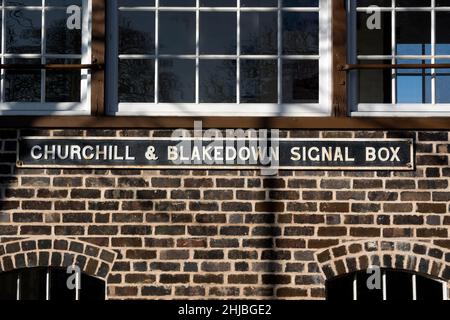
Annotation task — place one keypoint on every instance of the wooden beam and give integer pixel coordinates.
(340, 106)
(98, 57)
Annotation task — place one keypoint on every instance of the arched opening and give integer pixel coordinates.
(378, 284)
(49, 283)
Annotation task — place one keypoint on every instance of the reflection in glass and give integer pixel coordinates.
(259, 33)
(176, 81)
(23, 85)
(413, 85)
(301, 82)
(217, 81)
(137, 81)
(443, 84)
(61, 39)
(375, 86)
(218, 33)
(300, 33)
(177, 32)
(136, 32)
(413, 33)
(23, 31)
(259, 81)
(63, 85)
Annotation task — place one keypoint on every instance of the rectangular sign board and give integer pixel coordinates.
(226, 153)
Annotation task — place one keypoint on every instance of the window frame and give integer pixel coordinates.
(393, 109)
(54, 108)
(321, 109)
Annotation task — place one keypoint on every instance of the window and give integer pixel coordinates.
(48, 284)
(42, 32)
(219, 57)
(393, 285)
(400, 32)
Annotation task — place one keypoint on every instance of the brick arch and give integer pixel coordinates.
(60, 252)
(418, 257)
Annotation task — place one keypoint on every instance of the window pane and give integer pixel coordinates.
(300, 33)
(259, 3)
(92, 289)
(259, 81)
(33, 284)
(136, 32)
(63, 85)
(375, 86)
(442, 33)
(364, 292)
(217, 81)
(137, 81)
(23, 85)
(8, 285)
(58, 286)
(61, 39)
(218, 3)
(177, 32)
(176, 81)
(301, 82)
(340, 289)
(398, 285)
(23, 31)
(428, 289)
(259, 33)
(413, 86)
(218, 33)
(372, 40)
(413, 33)
(177, 3)
(443, 83)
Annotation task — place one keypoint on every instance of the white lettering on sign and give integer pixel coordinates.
(325, 154)
(383, 154)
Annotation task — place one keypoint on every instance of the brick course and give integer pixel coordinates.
(226, 233)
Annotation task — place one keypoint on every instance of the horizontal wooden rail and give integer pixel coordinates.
(349, 67)
(51, 66)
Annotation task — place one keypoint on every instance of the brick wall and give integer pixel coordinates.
(216, 234)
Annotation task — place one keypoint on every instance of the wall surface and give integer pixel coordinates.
(217, 234)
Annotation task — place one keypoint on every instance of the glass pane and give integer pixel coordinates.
(413, 33)
(259, 3)
(218, 33)
(217, 81)
(23, 85)
(136, 32)
(63, 85)
(301, 82)
(33, 284)
(58, 286)
(398, 285)
(340, 289)
(373, 41)
(428, 289)
(300, 33)
(259, 81)
(137, 81)
(218, 3)
(92, 289)
(375, 86)
(23, 31)
(259, 33)
(177, 3)
(442, 33)
(176, 81)
(300, 3)
(177, 32)
(61, 39)
(364, 292)
(443, 83)
(8, 285)
(413, 85)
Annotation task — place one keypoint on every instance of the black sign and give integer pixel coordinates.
(234, 153)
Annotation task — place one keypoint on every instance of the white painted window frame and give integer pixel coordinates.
(394, 109)
(45, 108)
(321, 109)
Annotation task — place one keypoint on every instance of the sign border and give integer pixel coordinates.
(409, 167)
